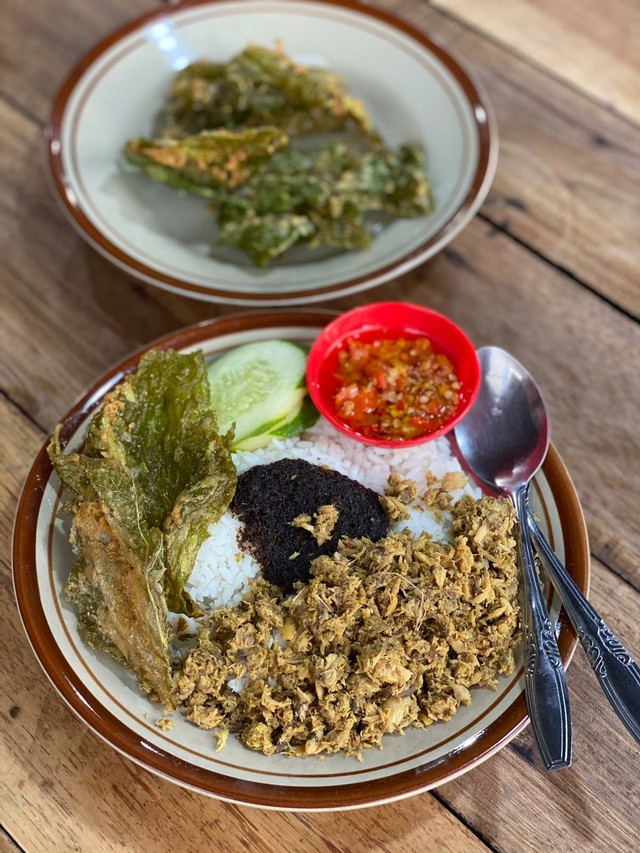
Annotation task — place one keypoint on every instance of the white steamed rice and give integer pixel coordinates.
(222, 570)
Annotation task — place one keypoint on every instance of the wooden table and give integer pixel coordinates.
(549, 269)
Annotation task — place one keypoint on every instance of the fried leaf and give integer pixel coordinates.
(348, 232)
(407, 191)
(204, 164)
(265, 238)
(280, 195)
(294, 181)
(203, 500)
(258, 87)
(321, 197)
(152, 475)
(386, 181)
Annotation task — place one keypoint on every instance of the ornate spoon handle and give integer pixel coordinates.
(545, 682)
(618, 674)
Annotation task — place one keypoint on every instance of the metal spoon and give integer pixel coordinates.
(618, 674)
(504, 439)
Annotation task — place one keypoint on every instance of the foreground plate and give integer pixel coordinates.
(107, 699)
(414, 89)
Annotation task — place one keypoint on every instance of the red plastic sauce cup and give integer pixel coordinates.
(390, 320)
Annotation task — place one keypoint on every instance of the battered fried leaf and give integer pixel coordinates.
(388, 182)
(224, 134)
(321, 197)
(258, 87)
(208, 162)
(348, 232)
(407, 191)
(265, 238)
(119, 598)
(294, 181)
(152, 475)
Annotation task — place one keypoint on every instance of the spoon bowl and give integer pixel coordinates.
(505, 436)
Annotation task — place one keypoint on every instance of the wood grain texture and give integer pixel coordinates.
(39, 48)
(558, 231)
(7, 844)
(568, 177)
(568, 180)
(66, 321)
(593, 48)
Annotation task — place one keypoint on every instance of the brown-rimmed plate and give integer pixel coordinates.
(107, 699)
(414, 89)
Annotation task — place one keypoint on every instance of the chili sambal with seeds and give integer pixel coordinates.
(395, 389)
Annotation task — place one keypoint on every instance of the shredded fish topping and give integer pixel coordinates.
(321, 524)
(385, 635)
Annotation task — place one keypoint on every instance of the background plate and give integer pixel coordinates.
(414, 89)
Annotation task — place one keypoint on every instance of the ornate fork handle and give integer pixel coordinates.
(545, 682)
(617, 672)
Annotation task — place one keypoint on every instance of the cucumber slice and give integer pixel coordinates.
(304, 417)
(255, 442)
(268, 428)
(256, 386)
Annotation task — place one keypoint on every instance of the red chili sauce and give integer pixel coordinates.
(395, 389)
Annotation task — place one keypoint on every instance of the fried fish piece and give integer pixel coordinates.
(152, 475)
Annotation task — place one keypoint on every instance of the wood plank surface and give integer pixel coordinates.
(593, 47)
(568, 180)
(64, 309)
(39, 47)
(7, 844)
(550, 269)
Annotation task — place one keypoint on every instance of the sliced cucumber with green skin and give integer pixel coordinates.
(304, 417)
(257, 385)
(268, 428)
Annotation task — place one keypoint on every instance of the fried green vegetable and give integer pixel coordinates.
(265, 238)
(260, 87)
(208, 162)
(152, 475)
(230, 132)
(321, 197)
(393, 183)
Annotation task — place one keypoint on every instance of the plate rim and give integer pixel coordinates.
(484, 122)
(287, 798)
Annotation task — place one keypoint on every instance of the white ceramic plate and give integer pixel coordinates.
(413, 88)
(106, 697)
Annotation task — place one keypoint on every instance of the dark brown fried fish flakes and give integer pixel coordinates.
(385, 635)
